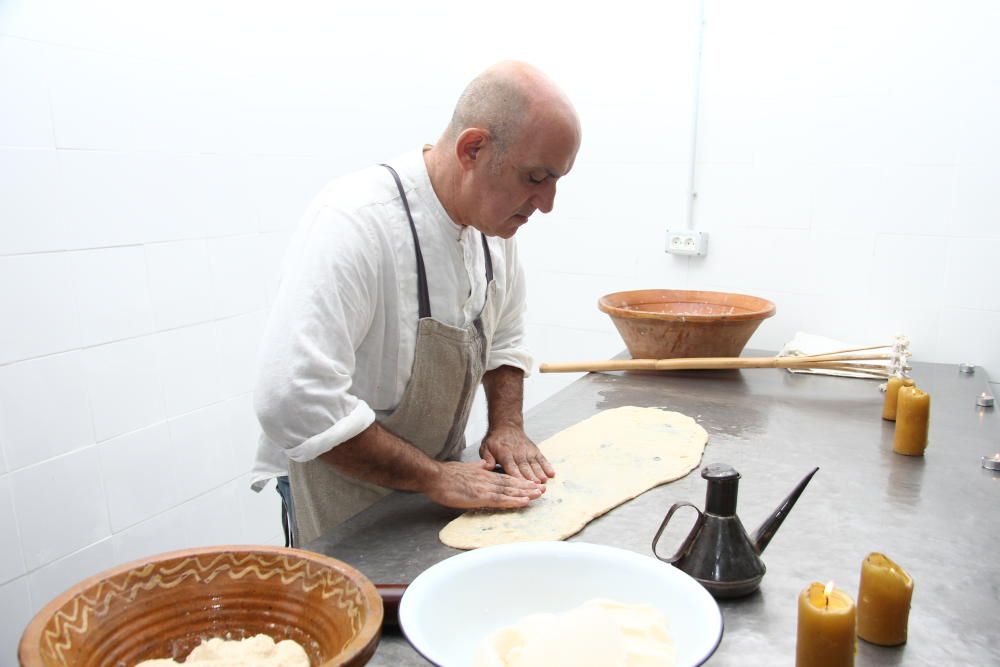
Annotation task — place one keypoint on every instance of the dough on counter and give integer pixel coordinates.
(598, 633)
(600, 463)
(256, 651)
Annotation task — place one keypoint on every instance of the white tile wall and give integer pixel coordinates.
(112, 294)
(239, 339)
(150, 178)
(103, 102)
(977, 200)
(47, 582)
(560, 344)
(11, 560)
(978, 143)
(236, 263)
(896, 269)
(284, 186)
(570, 300)
(826, 254)
(159, 534)
(216, 517)
(141, 475)
(972, 271)
(202, 450)
(37, 306)
(32, 393)
(15, 612)
(25, 118)
(121, 198)
(29, 189)
(969, 335)
(124, 386)
(189, 367)
(181, 284)
(60, 506)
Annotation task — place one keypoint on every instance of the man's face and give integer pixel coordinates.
(508, 189)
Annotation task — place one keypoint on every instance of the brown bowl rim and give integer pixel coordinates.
(28, 647)
(766, 311)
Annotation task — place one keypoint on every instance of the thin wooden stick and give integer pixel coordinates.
(707, 363)
(834, 357)
(858, 349)
(861, 370)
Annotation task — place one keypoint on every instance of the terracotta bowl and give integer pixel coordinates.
(163, 606)
(669, 324)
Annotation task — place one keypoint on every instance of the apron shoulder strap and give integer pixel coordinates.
(489, 260)
(423, 298)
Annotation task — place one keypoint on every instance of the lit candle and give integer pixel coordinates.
(883, 601)
(826, 628)
(912, 418)
(891, 394)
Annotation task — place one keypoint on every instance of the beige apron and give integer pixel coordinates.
(448, 365)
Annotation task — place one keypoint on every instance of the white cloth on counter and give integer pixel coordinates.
(341, 335)
(804, 344)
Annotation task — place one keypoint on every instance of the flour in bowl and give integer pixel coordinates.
(598, 633)
(257, 651)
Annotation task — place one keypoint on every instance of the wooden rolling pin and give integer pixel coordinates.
(833, 361)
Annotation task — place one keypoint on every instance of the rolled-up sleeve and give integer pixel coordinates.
(323, 309)
(508, 348)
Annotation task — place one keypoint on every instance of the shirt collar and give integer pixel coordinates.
(416, 166)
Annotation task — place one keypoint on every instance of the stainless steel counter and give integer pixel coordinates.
(930, 514)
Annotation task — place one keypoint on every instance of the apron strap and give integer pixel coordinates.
(423, 298)
(489, 261)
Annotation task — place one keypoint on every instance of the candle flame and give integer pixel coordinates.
(828, 589)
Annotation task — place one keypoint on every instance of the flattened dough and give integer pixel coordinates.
(600, 463)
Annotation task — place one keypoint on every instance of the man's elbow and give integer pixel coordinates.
(275, 413)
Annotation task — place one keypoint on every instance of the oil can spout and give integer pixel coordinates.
(762, 537)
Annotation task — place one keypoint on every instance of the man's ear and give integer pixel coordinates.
(470, 143)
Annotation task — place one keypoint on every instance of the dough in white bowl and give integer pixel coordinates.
(598, 633)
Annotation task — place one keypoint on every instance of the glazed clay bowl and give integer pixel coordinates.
(163, 606)
(670, 324)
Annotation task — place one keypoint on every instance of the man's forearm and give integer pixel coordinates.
(380, 457)
(504, 388)
(375, 455)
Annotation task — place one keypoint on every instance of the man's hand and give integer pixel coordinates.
(469, 486)
(520, 458)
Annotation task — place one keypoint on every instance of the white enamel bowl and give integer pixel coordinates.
(452, 606)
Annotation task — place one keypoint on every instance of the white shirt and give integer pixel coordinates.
(339, 342)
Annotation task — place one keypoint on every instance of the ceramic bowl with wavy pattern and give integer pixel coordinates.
(163, 606)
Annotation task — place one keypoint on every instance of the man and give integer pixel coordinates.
(402, 290)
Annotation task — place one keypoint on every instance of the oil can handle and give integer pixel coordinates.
(687, 541)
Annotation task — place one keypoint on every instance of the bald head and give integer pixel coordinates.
(502, 98)
(512, 136)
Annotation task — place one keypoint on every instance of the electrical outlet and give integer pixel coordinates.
(686, 242)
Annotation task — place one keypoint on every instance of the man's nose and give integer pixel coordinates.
(546, 199)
